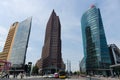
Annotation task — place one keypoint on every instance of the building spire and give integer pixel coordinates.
(53, 12)
(92, 6)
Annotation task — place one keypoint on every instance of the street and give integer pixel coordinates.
(49, 79)
(71, 78)
(41, 78)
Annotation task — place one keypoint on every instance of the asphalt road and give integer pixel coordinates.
(41, 78)
(71, 78)
(33, 79)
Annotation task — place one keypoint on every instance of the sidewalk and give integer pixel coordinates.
(103, 78)
(25, 77)
(106, 78)
(109, 78)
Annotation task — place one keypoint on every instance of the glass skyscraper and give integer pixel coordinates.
(96, 53)
(20, 43)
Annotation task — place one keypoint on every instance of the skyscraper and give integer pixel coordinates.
(51, 59)
(10, 37)
(9, 42)
(82, 65)
(115, 58)
(17, 43)
(96, 51)
(114, 54)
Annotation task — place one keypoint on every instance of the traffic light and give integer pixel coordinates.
(29, 66)
(26, 68)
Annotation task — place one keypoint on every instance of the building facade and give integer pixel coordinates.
(115, 58)
(51, 58)
(82, 66)
(19, 48)
(3, 56)
(9, 42)
(114, 54)
(96, 53)
(16, 43)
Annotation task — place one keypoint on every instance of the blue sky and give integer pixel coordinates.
(70, 12)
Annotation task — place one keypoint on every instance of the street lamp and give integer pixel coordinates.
(29, 67)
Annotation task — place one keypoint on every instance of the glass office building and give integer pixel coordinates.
(114, 54)
(82, 66)
(96, 53)
(115, 58)
(20, 43)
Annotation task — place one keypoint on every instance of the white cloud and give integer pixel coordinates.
(3, 31)
(3, 34)
(111, 20)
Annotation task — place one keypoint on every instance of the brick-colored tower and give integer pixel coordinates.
(51, 59)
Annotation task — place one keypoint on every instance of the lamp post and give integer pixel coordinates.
(29, 68)
(14, 67)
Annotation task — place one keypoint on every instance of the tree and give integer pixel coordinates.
(35, 70)
(76, 73)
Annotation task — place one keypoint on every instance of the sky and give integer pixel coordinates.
(69, 12)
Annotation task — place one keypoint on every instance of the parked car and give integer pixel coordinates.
(45, 76)
(51, 76)
(62, 74)
(56, 75)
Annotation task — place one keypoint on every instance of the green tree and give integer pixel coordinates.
(76, 73)
(35, 70)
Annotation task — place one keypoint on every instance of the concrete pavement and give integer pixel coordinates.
(109, 78)
(71, 78)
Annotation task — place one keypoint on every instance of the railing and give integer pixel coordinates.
(4, 68)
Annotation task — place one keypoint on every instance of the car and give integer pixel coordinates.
(62, 77)
(45, 76)
(62, 74)
(83, 75)
(56, 75)
(51, 76)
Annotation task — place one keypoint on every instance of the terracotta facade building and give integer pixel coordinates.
(51, 58)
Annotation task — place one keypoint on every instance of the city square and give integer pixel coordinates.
(59, 40)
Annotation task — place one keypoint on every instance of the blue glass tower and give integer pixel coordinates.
(20, 43)
(96, 51)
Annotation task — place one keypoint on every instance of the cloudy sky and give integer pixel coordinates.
(70, 12)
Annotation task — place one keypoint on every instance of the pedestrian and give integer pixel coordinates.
(21, 75)
(7, 74)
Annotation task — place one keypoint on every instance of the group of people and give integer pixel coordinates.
(7, 74)
(21, 74)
